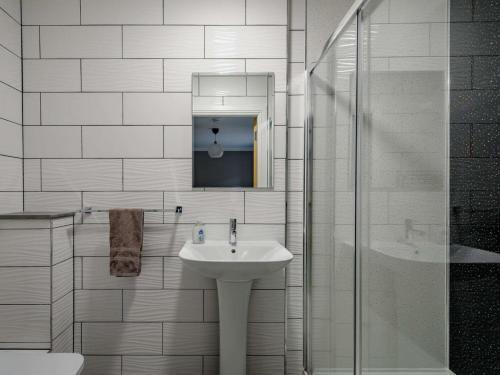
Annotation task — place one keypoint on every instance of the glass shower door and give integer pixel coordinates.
(377, 251)
(332, 196)
(402, 221)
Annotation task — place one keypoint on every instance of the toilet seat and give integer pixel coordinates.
(27, 362)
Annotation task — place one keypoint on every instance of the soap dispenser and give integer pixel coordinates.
(199, 233)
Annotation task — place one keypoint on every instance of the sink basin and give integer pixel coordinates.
(248, 260)
(234, 268)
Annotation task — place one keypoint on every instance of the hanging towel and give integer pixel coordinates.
(126, 230)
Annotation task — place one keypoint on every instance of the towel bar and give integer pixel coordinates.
(177, 210)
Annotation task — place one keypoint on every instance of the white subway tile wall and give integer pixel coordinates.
(295, 184)
(107, 109)
(11, 149)
(36, 284)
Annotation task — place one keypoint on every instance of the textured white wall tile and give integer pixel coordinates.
(205, 12)
(122, 338)
(294, 271)
(62, 279)
(178, 72)
(75, 175)
(31, 109)
(52, 142)
(43, 201)
(29, 247)
(296, 143)
(103, 200)
(64, 342)
(190, 338)
(11, 202)
(163, 41)
(266, 365)
(62, 243)
(178, 276)
(62, 314)
(266, 12)
(51, 75)
(51, 12)
(164, 305)
(264, 207)
(12, 174)
(295, 302)
(21, 323)
(80, 41)
(181, 365)
(31, 42)
(297, 14)
(122, 75)
(295, 207)
(295, 175)
(122, 12)
(81, 108)
(178, 142)
(297, 78)
(10, 69)
(280, 142)
(157, 109)
(294, 334)
(209, 207)
(296, 118)
(98, 305)
(10, 34)
(266, 338)
(279, 175)
(210, 306)
(10, 139)
(13, 8)
(408, 11)
(157, 174)
(276, 66)
(109, 365)
(25, 285)
(295, 238)
(32, 175)
(11, 103)
(280, 108)
(294, 362)
(297, 46)
(122, 142)
(96, 275)
(245, 41)
(77, 273)
(400, 40)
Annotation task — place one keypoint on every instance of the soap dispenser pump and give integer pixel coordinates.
(199, 233)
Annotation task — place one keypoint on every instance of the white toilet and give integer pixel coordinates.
(39, 362)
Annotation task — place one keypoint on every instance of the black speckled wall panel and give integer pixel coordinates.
(475, 184)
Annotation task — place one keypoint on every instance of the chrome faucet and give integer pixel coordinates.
(410, 231)
(232, 232)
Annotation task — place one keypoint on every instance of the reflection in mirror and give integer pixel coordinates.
(233, 130)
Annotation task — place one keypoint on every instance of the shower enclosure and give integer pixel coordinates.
(377, 193)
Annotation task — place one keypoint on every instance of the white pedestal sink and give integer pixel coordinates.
(234, 268)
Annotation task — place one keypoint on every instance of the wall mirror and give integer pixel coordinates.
(233, 117)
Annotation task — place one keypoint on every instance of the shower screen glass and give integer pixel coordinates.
(377, 228)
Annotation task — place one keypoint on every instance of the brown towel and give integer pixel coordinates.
(126, 227)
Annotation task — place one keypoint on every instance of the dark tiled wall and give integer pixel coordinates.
(475, 184)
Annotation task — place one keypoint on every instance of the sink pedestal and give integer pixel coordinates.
(233, 317)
